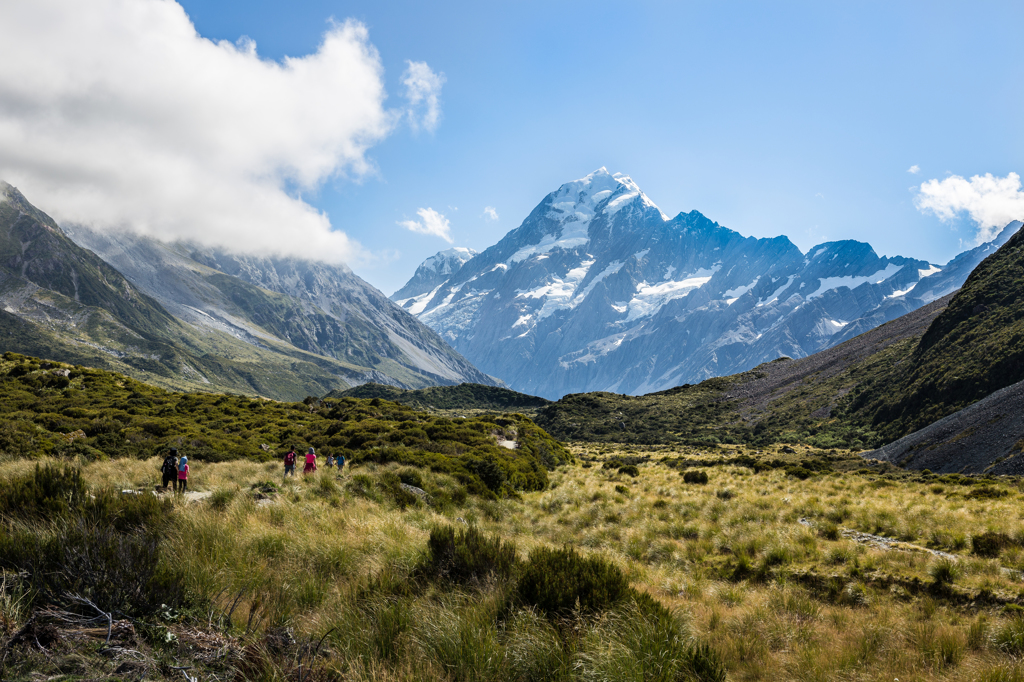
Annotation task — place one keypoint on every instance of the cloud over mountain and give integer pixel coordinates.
(431, 222)
(990, 201)
(118, 114)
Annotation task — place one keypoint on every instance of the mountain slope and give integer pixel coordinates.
(780, 401)
(598, 290)
(318, 308)
(62, 301)
(987, 436)
(973, 349)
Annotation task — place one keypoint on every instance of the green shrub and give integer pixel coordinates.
(119, 571)
(629, 470)
(799, 472)
(49, 492)
(468, 556)
(411, 477)
(556, 581)
(622, 490)
(829, 531)
(725, 494)
(987, 492)
(695, 476)
(391, 484)
(990, 544)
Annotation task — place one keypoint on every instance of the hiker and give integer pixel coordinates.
(289, 462)
(169, 470)
(182, 473)
(330, 462)
(310, 461)
(340, 460)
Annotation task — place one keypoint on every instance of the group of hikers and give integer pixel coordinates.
(175, 469)
(310, 467)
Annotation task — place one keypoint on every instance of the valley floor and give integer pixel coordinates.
(805, 565)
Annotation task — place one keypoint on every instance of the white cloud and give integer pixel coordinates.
(990, 201)
(433, 223)
(423, 90)
(490, 213)
(914, 170)
(117, 114)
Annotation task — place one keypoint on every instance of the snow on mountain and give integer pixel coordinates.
(600, 290)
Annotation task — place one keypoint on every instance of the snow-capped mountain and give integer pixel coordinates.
(599, 290)
(431, 274)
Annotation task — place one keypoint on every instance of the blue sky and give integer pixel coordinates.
(771, 118)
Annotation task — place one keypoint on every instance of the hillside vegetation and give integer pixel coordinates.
(974, 348)
(461, 397)
(54, 409)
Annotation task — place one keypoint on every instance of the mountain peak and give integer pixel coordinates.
(599, 191)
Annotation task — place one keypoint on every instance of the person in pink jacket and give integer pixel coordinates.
(310, 461)
(183, 473)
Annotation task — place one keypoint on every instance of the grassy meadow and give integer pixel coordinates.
(759, 573)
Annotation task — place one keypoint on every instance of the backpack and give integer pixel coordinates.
(289, 459)
(170, 465)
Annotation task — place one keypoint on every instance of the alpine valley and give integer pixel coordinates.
(598, 290)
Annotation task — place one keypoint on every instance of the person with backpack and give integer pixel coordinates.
(289, 462)
(169, 469)
(310, 461)
(182, 473)
(340, 460)
(330, 462)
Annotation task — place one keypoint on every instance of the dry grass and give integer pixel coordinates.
(776, 598)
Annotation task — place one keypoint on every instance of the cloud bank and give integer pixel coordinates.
(433, 223)
(990, 201)
(117, 114)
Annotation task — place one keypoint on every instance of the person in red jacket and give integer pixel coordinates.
(289, 462)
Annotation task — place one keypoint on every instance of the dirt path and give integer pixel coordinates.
(882, 542)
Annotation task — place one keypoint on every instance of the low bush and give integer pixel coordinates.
(695, 476)
(629, 470)
(799, 472)
(829, 531)
(558, 581)
(49, 492)
(391, 484)
(468, 556)
(119, 571)
(990, 544)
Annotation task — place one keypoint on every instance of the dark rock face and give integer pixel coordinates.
(598, 290)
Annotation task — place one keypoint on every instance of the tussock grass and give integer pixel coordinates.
(762, 582)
